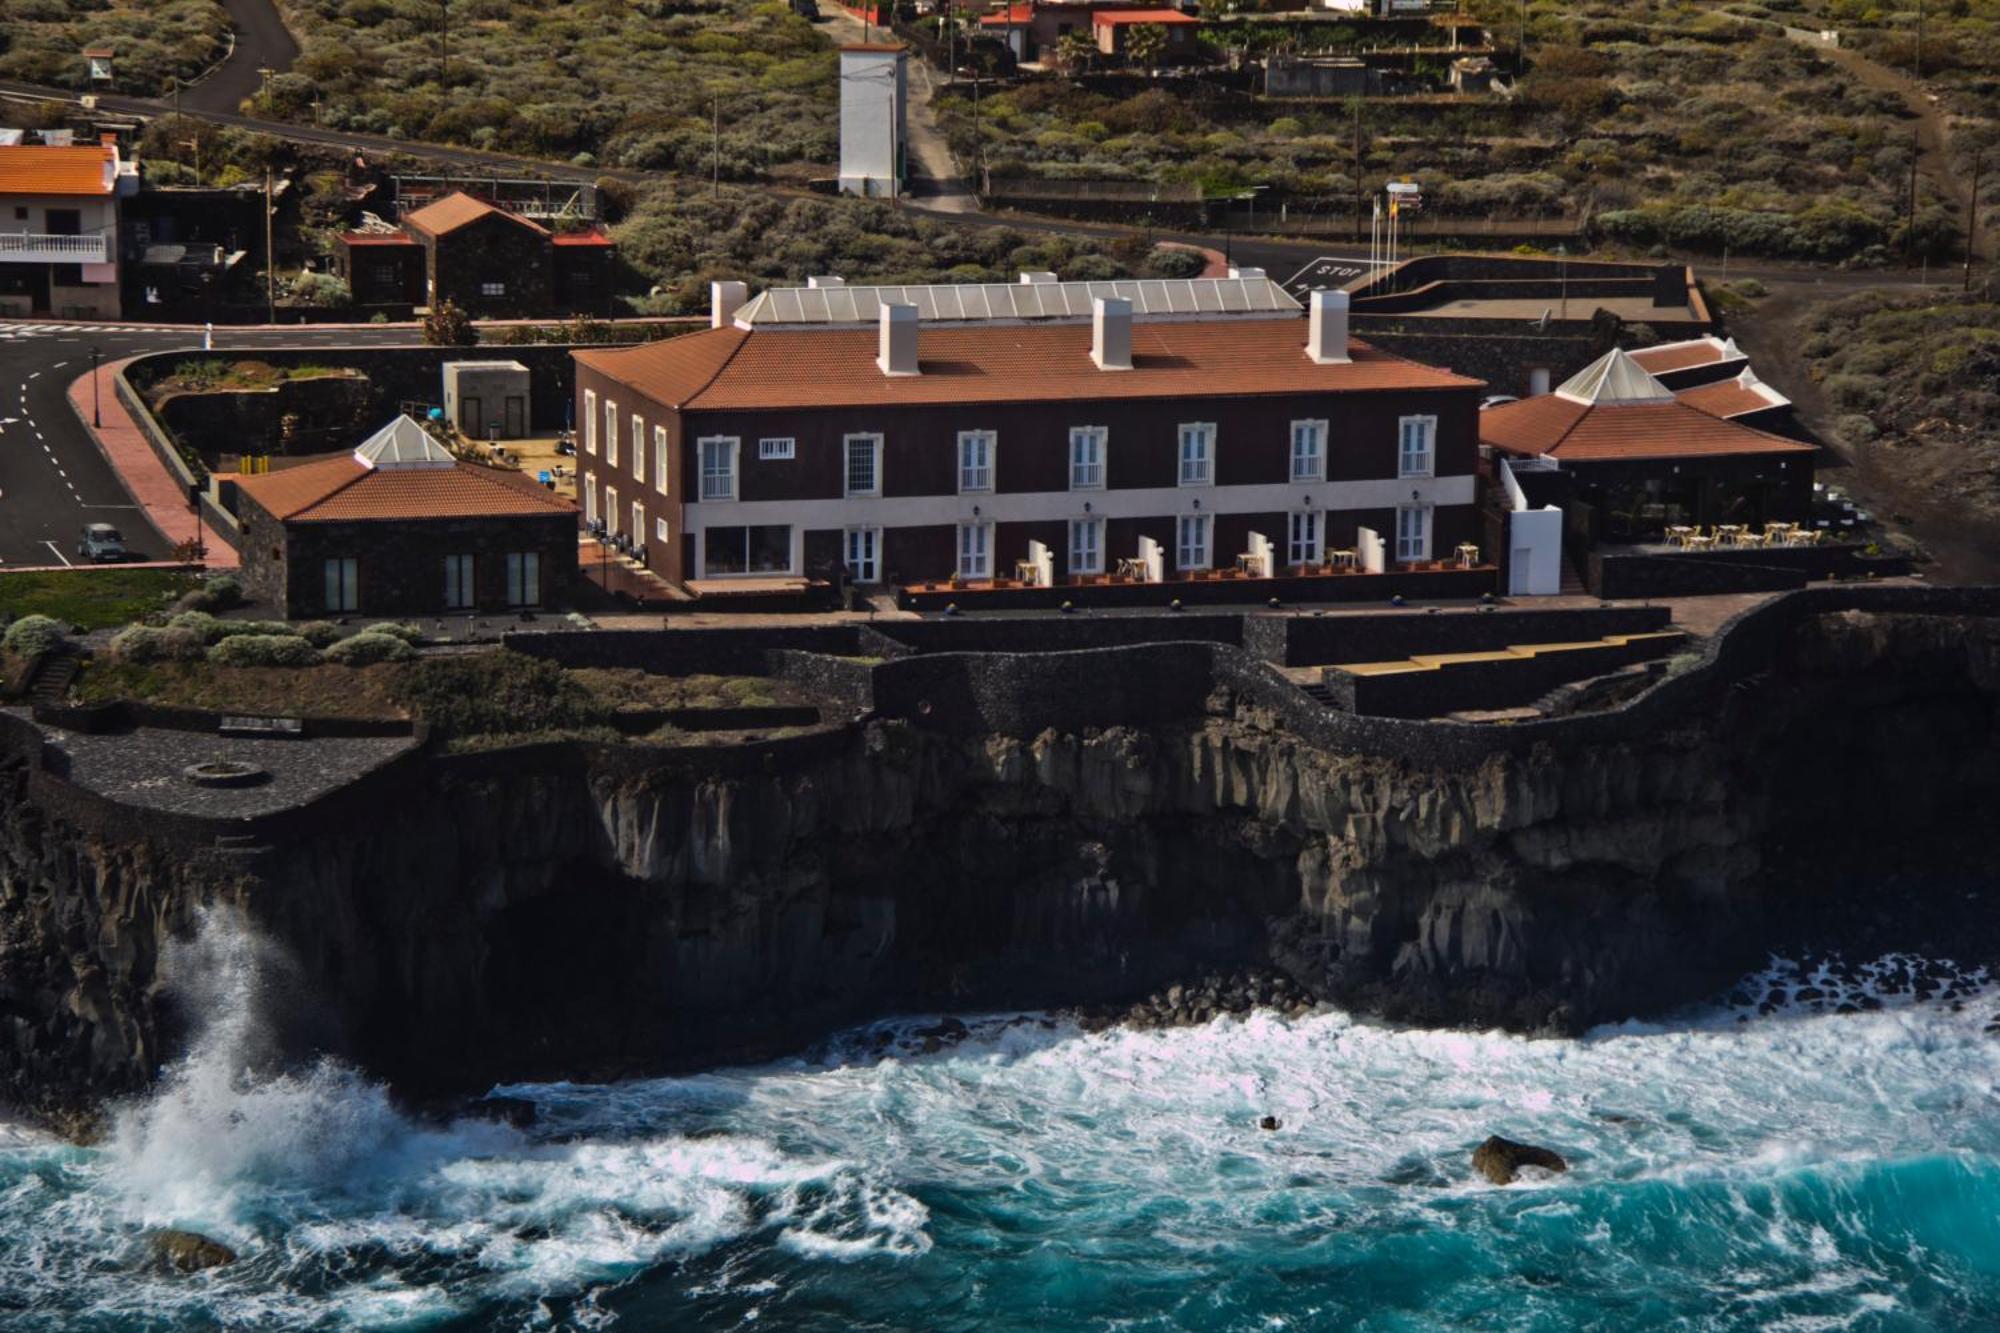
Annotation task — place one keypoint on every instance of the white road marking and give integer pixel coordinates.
(58, 550)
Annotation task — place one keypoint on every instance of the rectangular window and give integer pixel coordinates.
(1307, 541)
(1413, 533)
(661, 533)
(864, 555)
(611, 432)
(1308, 451)
(660, 459)
(458, 583)
(611, 509)
(1191, 533)
(777, 449)
(524, 578)
(492, 289)
(975, 460)
(864, 465)
(343, 584)
(718, 468)
(1086, 546)
(590, 499)
(638, 522)
(1197, 454)
(638, 448)
(765, 549)
(975, 550)
(1414, 454)
(1086, 457)
(590, 421)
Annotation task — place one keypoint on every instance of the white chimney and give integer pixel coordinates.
(1326, 332)
(897, 354)
(1111, 333)
(1236, 272)
(826, 280)
(1035, 277)
(724, 300)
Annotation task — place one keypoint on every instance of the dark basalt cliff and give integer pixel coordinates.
(591, 910)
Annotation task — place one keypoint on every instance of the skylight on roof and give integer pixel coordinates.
(1002, 302)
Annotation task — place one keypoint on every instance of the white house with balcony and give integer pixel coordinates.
(59, 228)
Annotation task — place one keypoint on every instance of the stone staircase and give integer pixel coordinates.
(52, 677)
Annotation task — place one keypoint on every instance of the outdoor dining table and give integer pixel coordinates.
(1678, 534)
(1349, 559)
(1468, 555)
(1131, 567)
(1727, 533)
(1026, 571)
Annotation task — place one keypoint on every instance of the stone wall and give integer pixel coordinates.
(333, 412)
(1317, 640)
(1464, 686)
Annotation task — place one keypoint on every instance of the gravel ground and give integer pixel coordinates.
(144, 767)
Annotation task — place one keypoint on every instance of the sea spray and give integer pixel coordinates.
(1730, 1170)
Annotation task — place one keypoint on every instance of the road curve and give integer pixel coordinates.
(262, 42)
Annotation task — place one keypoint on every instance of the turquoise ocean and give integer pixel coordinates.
(1791, 1170)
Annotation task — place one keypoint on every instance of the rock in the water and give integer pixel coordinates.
(1500, 1160)
(188, 1251)
(1269, 1122)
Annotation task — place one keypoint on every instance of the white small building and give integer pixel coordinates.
(59, 227)
(874, 95)
(487, 400)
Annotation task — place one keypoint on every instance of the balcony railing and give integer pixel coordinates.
(27, 247)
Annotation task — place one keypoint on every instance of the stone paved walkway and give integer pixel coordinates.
(145, 477)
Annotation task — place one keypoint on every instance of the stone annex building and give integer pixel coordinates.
(400, 527)
(487, 261)
(1046, 431)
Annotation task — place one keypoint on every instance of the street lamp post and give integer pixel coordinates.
(96, 413)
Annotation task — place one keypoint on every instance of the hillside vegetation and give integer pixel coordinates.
(42, 41)
(623, 82)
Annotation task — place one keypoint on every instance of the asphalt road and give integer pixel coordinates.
(262, 42)
(53, 479)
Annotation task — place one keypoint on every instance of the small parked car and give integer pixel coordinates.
(102, 544)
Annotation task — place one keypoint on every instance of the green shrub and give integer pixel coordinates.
(368, 648)
(498, 693)
(318, 633)
(35, 634)
(397, 629)
(150, 643)
(264, 650)
(213, 629)
(218, 592)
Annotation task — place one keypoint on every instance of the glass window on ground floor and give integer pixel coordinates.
(1413, 533)
(750, 549)
(343, 584)
(1307, 538)
(1086, 546)
(458, 585)
(864, 555)
(975, 550)
(524, 578)
(1192, 534)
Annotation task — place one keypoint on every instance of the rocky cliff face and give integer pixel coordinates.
(573, 912)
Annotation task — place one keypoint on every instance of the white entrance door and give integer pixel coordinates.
(864, 555)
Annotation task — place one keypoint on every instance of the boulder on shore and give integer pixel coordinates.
(1500, 1160)
(188, 1251)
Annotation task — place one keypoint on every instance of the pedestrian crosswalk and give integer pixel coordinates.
(15, 332)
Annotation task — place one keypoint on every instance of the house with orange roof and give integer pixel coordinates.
(1109, 29)
(484, 259)
(400, 527)
(59, 227)
(1040, 434)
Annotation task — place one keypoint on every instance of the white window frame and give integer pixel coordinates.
(610, 432)
(731, 445)
(793, 544)
(1308, 548)
(1203, 473)
(1410, 548)
(1094, 472)
(487, 288)
(610, 510)
(590, 498)
(461, 576)
(1086, 556)
(976, 476)
(1194, 541)
(638, 448)
(590, 421)
(847, 443)
(1420, 462)
(524, 577)
(660, 459)
(870, 569)
(662, 530)
(777, 449)
(341, 583)
(975, 559)
(639, 520)
(1315, 462)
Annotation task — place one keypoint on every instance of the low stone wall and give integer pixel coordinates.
(1319, 640)
(1694, 574)
(124, 714)
(1430, 584)
(1461, 686)
(1023, 694)
(673, 652)
(1044, 634)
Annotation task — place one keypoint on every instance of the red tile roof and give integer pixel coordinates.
(342, 489)
(1013, 16)
(459, 209)
(1680, 356)
(41, 169)
(1118, 18)
(353, 238)
(735, 369)
(1581, 433)
(1727, 398)
(583, 238)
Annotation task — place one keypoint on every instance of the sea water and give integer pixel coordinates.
(1729, 1170)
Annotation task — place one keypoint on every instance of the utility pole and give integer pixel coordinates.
(270, 256)
(1521, 51)
(1357, 168)
(1920, 38)
(715, 151)
(950, 42)
(1972, 219)
(444, 44)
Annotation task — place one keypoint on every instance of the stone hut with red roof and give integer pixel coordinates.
(400, 527)
(484, 259)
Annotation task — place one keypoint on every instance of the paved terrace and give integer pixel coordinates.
(143, 767)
